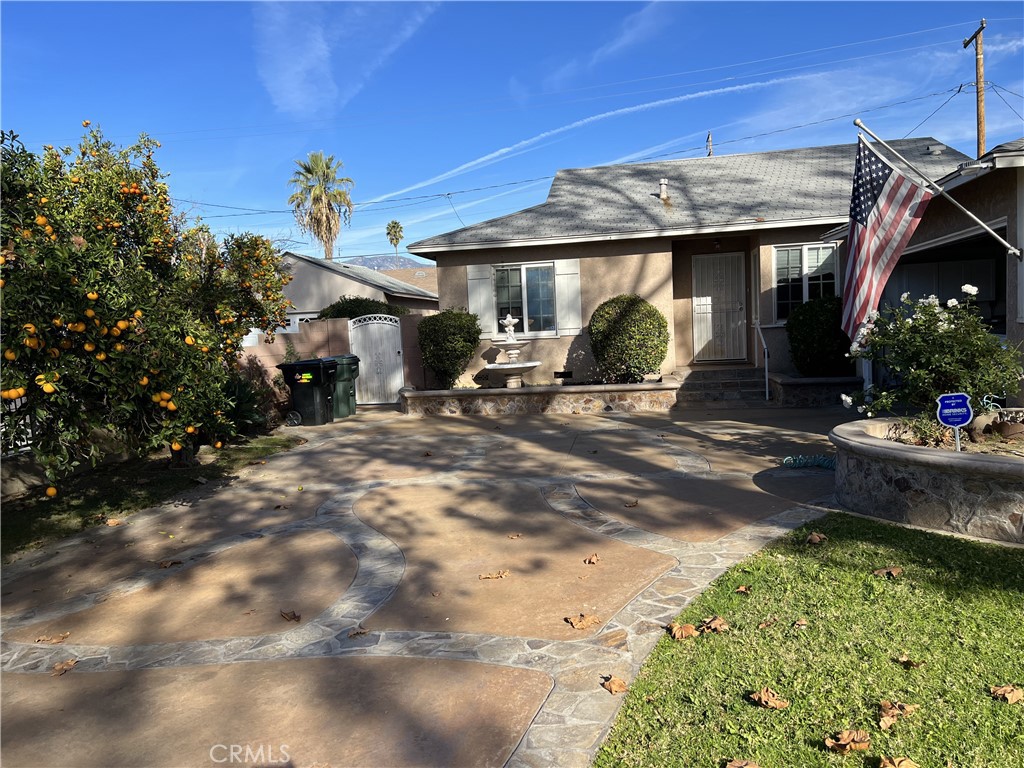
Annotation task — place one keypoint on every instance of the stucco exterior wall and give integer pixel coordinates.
(606, 270)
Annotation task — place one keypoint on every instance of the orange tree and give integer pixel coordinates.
(117, 321)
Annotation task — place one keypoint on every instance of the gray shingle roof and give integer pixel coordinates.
(719, 193)
(367, 276)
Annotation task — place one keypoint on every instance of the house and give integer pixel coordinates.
(725, 246)
(316, 283)
(424, 277)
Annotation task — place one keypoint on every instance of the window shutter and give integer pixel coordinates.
(481, 297)
(567, 297)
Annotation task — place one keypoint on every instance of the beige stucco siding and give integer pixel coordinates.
(606, 270)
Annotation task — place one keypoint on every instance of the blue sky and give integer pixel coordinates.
(450, 113)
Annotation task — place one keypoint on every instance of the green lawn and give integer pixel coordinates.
(957, 608)
(119, 489)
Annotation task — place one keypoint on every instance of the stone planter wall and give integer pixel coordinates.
(655, 396)
(975, 494)
(808, 392)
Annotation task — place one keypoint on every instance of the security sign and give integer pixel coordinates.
(954, 409)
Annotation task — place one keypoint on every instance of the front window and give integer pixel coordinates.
(803, 273)
(526, 291)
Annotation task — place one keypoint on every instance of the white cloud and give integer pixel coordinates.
(301, 47)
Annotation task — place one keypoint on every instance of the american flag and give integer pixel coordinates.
(885, 209)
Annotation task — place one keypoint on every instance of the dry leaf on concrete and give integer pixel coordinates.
(290, 616)
(592, 560)
(816, 538)
(53, 640)
(614, 685)
(495, 575)
(515, 535)
(633, 503)
(168, 563)
(281, 506)
(357, 632)
(906, 662)
(891, 711)
(1007, 693)
(61, 667)
(681, 631)
(715, 624)
(583, 621)
(892, 572)
(427, 453)
(768, 699)
(742, 764)
(849, 741)
(743, 589)
(113, 521)
(897, 762)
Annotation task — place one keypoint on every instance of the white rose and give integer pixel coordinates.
(847, 401)
(905, 296)
(969, 289)
(952, 303)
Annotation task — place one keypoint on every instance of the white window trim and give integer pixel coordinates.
(482, 298)
(520, 328)
(803, 273)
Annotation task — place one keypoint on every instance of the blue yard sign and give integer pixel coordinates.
(955, 411)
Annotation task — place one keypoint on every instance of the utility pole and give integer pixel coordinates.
(979, 76)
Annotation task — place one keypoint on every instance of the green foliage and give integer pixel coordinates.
(321, 200)
(117, 320)
(395, 234)
(448, 341)
(629, 338)
(818, 346)
(930, 350)
(357, 306)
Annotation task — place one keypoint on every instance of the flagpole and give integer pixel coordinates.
(1009, 248)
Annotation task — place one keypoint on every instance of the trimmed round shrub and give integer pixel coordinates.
(629, 338)
(448, 341)
(357, 306)
(818, 346)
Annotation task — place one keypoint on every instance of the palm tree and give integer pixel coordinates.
(321, 201)
(395, 234)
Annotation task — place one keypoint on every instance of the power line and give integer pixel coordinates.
(952, 96)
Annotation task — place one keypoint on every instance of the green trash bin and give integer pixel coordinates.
(345, 385)
(312, 388)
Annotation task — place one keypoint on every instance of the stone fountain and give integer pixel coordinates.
(511, 346)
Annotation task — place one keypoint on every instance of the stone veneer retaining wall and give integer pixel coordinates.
(654, 396)
(976, 494)
(810, 392)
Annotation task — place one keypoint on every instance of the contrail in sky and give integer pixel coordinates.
(501, 153)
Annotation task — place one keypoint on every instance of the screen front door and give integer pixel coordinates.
(719, 315)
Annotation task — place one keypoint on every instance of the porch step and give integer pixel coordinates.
(712, 384)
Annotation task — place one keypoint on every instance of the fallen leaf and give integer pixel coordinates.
(682, 631)
(633, 503)
(250, 612)
(583, 621)
(800, 624)
(168, 563)
(592, 560)
(614, 685)
(897, 762)
(767, 622)
(113, 521)
(891, 711)
(53, 640)
(715, 624)
(892, 572)
(768, 699)
(742, 764)
(849, 741)
(515, 535)
(496, 575)
(906, 663)
(743, 589)
(435, 594)
(427, 453)
(1007, 693)
(290, 616)
(61, 667)
(200, 479)
(280, 506)
(816, 538)
(357, 632)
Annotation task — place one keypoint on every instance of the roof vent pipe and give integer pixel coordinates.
(663, 194)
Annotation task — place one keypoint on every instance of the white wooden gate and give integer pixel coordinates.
(719, 318)
(377, 341)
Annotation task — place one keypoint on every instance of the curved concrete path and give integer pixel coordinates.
(431, 564)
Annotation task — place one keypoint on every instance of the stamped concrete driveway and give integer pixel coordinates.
(395, 592)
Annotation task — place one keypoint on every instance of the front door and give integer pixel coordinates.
(719, 316)
(377, 341)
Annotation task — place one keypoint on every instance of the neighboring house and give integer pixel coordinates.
(724, 246)
(317, 283)
(424, 277)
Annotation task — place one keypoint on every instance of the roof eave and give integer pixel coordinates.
(739, 226)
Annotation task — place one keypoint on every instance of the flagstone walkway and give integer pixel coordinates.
(431, 564)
